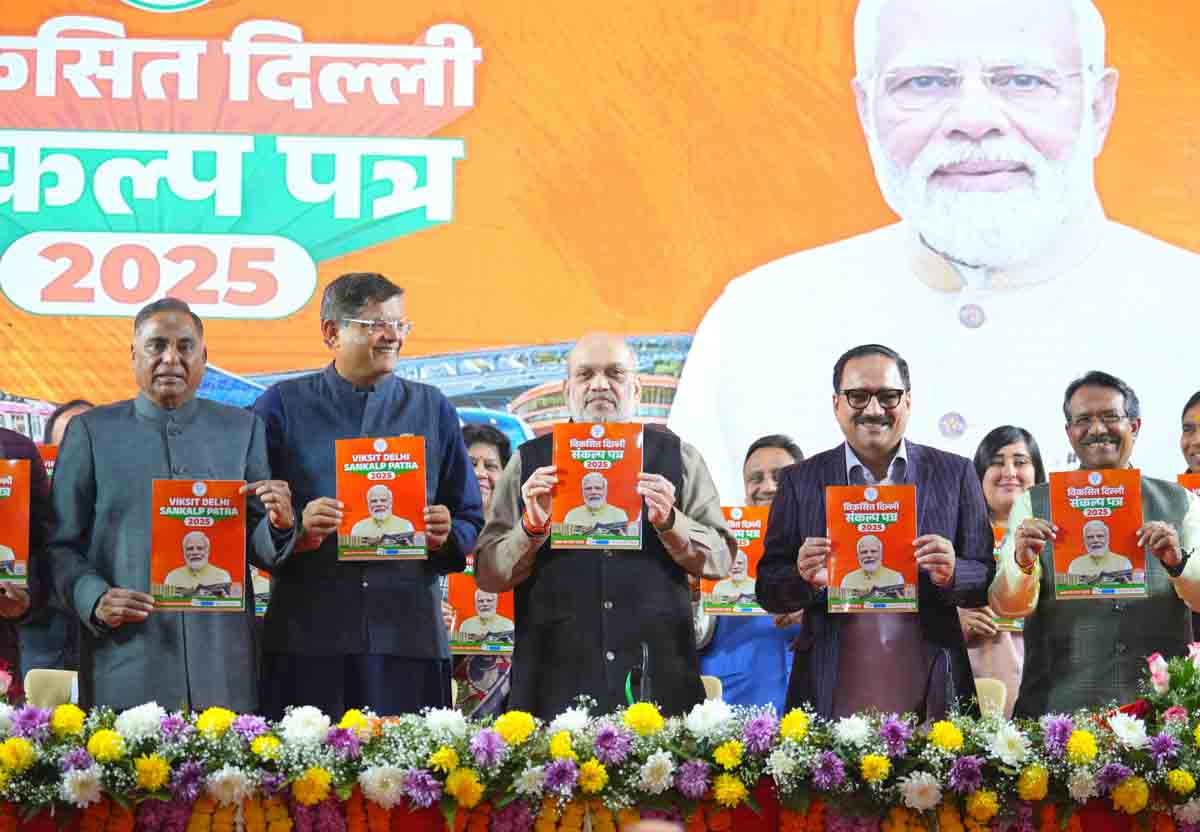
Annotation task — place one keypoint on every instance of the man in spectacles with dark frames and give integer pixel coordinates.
(362, 635)
(840, 658)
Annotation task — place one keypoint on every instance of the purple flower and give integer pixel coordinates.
(163, 816)
(174, 727)
(488, 748)
(345, 742)
(1111, 776)
(76, 759)
(186, 781)
(250, 726)
(966, 775)
(515, 817)
(1163, 748)
(561, 775)
(895, 733)
(272, 784)
(837, 822)
(760, 733)
(304, 817)
(828, 771)
(691, 779)
(612, 744)
(1056, 730)
(329, 816)
(422, 788)
(31, 723)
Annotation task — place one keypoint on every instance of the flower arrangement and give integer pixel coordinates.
(710, 769)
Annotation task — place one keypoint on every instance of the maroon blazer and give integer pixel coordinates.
(949, 503)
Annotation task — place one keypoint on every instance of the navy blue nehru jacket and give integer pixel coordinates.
(320, 607)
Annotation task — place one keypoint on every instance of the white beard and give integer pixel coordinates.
(988, 229)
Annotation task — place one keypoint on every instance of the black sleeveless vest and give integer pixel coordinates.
(582, 615)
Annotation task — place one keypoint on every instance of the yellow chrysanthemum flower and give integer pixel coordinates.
(1196, 735)
(1033, 783)
(644, 718)
(515, 726)
(983, 805)
(593, 776)
(67, 721)
(445, 760)
(153, 772)
(875, 767)
(560, 746)
(794, 725)
(265, 747)
(16, 755)
(464, 786)
(215, 721)
(357, 721)
(728, 755)
(728, 790)
(313, 786)
(946, 736)
(106, 745)
(1081, 747)
(1131, 796)
(1180, 782)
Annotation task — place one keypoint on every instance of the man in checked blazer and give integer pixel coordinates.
(891, 662)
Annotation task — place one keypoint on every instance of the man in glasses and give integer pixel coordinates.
(983, 121)
(1081, 654)
(355, 635)
(839, 659)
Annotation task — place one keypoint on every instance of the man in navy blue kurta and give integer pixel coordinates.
(353, 635)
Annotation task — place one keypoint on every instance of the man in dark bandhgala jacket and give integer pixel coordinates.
(583, 616)
(842, 658)
(362, 635)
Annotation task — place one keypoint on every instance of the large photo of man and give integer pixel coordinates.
(983, 122)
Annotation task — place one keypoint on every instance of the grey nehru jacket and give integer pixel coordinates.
(101, 499)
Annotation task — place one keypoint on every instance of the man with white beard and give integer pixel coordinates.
(983, 121)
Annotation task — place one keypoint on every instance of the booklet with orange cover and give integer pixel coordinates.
(1098, 514)
(49, 455)
(381, 482)
(14, 519)
(1191, 482)
(872, 567)
(260, 579)
(735, 595)
(1013, 625)
(596, 504)
(483, 621)
(198, 545)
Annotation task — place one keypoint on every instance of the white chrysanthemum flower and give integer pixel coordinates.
(229, 786)
(921, 791)
(657, 772)
(140, 723)
(780, 764)
(81, 787)
(572, 719)
(1129, 730)
(853, 730)
(1082, 786)
(383, 785)
(1188, 812)
(305, 725)
(6, 712)
(708, 717)
(1009, 745)
(529, 782)
(446, 724)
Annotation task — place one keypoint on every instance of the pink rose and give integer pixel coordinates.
(5, 681)
(1194, 653)
(1175, 713)
(1160, 680)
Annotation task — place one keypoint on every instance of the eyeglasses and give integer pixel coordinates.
(889, 398)
(1108, 418)
(377, 327)
(935, 88)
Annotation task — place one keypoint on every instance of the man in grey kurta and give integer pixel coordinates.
(100, 547)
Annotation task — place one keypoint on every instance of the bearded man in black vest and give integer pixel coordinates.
(586, 619)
